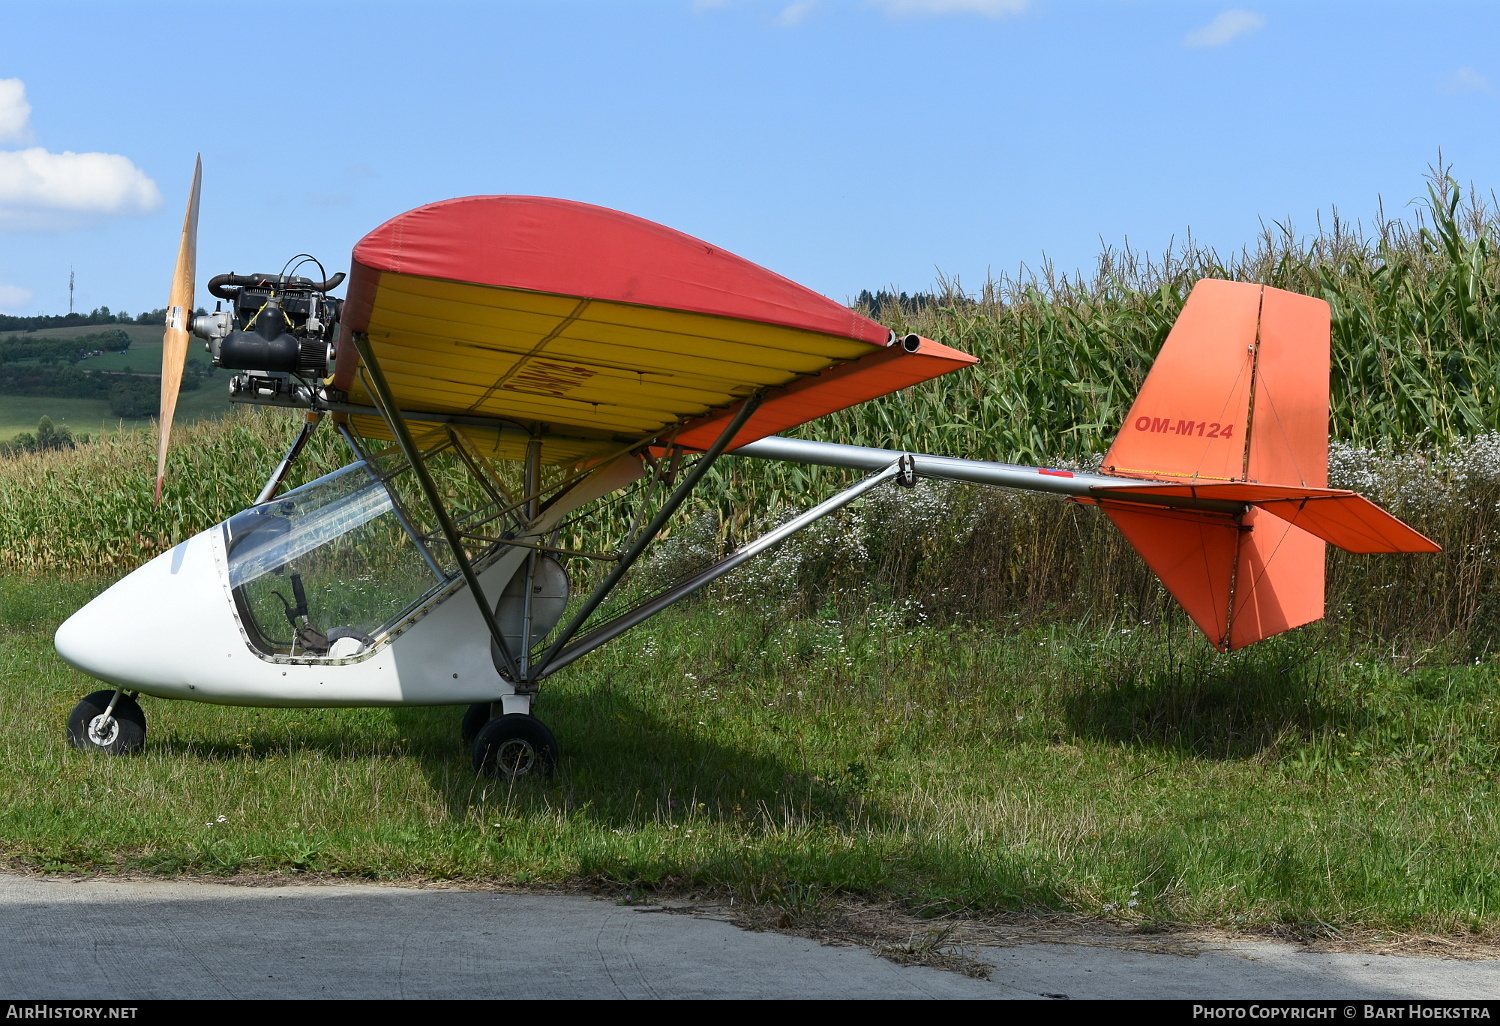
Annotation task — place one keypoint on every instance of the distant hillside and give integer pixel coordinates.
(43, 374)
(99, 315)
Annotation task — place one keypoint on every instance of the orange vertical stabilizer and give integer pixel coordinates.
(1238, 393)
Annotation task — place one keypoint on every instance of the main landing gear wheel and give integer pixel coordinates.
(475, 717)
(121, 732)
(515, 746)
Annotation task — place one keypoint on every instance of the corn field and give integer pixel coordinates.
(1416, 406)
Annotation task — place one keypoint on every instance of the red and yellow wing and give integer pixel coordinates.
(597, 328)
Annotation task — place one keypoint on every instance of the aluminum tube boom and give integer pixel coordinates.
(949, 468)
(649, 608)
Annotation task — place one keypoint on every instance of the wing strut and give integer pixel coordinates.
(391, 415)
(638, 546)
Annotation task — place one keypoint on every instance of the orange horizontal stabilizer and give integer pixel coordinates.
(1340, 517)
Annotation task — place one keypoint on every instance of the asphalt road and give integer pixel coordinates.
(121, 940)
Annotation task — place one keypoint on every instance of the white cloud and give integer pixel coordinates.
(793, 14)
(985, 8)
(1227, 26)
(40, 190)
(15, 112)
(14, 300)
(1467, 80)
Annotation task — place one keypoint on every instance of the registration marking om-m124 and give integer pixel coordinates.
(1200, 428)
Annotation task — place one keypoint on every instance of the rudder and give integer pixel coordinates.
(1238, 393)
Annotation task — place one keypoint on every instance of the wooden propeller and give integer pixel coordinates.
(174, 341)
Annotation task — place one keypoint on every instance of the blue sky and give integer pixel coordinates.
(847, 144)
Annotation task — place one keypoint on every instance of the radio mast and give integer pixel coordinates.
(70, 290)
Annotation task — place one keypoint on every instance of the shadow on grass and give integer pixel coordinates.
(626, 766)
(633, 783)
(1211, 705)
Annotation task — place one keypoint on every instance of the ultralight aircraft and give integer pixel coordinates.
(507, 369)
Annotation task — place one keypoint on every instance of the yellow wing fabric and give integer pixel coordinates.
(591, 328)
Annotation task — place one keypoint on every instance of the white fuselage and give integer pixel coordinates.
(171, 629)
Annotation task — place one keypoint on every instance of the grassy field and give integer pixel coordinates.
(146, 359)
(1116, 771)
(20, 413)
(141, 335)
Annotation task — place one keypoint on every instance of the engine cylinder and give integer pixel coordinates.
(249, 350)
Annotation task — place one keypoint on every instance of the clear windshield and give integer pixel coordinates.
(321, 570)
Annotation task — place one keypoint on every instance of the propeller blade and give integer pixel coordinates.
(174, 341)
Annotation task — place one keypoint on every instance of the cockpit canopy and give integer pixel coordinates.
(325, 569)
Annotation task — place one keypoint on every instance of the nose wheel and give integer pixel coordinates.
(514, 746)
(107, 721)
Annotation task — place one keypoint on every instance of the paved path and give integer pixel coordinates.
(128, 940)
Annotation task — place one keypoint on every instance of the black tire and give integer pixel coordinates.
(475, 717)
(515, 746)
(349, 632)
(124, 732)
(339, 633)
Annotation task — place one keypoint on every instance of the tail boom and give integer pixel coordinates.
(1219, 475)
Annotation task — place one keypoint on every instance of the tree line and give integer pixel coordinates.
(99, 315)
(64, 350)
(47, 436)
(129, 394)
(882, 306)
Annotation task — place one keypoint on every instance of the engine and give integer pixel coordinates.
(276, 324)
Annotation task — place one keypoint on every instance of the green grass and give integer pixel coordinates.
(145, 360)
(20, 413)
(731, 749)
